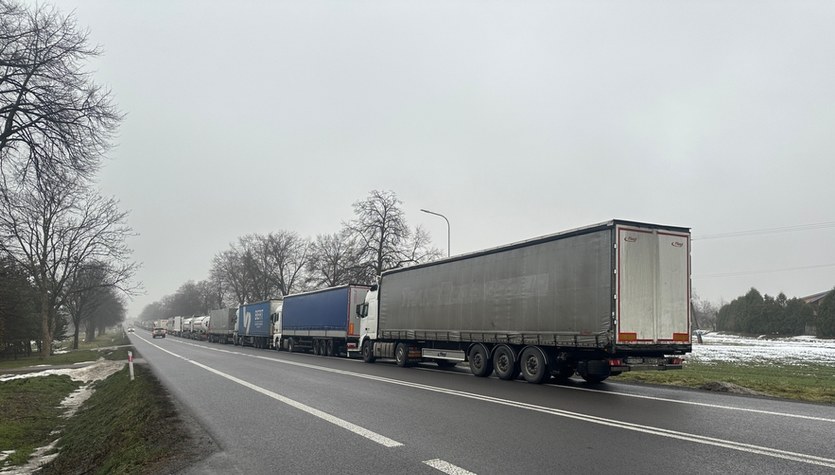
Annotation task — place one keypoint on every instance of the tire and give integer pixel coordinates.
(401, 355)
(534, 365)
(594, 378)
(316, 347)
(291, 346)
(329, 348)
(505, 363)
(480, 363)
(368, 352)
(564, 372)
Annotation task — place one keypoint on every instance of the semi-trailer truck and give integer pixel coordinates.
(221, 324)
(256, 322)
(324, 321)
(598, 300)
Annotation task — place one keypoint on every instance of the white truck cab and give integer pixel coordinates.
(368, 312)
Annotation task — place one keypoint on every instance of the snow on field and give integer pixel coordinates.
(800, 350)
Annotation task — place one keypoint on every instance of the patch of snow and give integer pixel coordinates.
(38, 458)
(96, 371)
(787, 351)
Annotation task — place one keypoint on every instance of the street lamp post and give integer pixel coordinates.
(448, 250)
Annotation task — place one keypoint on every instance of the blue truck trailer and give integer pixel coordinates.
(256, 323)
(322, 321)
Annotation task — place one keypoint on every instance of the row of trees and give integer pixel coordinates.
(262, 266)
(758, 314)
(63, 253)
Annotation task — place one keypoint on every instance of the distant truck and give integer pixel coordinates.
(222, 325)
(256, 322)
(199, 327)
(598, 301)
(177, 326)
(323, 321)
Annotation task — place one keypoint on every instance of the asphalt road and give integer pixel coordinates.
(276, 412)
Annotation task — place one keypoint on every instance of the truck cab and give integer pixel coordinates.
(368, 313)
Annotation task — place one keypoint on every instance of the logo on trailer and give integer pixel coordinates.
(630, 239)
(677, 244)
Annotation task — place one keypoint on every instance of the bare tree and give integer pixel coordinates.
(288, 256)
(86, 292)
(334, 260)
(228, 270)
(53, 228)
(109, 311)
(385, 240)
(53, 117)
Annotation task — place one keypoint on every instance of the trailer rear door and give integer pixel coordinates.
(653, 282)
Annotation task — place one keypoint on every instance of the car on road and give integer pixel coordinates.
(130, 330)
(158, 332)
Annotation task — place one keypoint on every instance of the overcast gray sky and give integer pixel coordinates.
(514, 119)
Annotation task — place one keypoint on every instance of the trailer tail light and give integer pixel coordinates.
(628, 336)
(681, 337)
(615, 362)
(675, 361)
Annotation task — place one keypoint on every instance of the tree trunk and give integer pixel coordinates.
(46, 328)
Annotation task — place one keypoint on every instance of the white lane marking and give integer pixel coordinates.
(446, 467)
(699, 439)
(694, 403)
(380, 439)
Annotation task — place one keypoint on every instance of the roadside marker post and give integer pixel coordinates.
(130, 364)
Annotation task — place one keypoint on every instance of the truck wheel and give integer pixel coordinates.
(368, 352)
(534, 366)
(564, 373)
(316, 347)
(290, 345)
(593, 378)
(480, 363)
(322, 351)
(505, 363)
(329, 348)
(401, 355)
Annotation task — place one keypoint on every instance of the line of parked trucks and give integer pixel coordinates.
(596, 301)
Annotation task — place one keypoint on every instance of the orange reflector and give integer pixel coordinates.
(630, 336)
(351, 328)
(681, 337)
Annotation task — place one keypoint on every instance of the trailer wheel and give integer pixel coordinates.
(322, 351)
(480, 363)
(593, 378)
(368, 352)
(534, 366)
(504, 360)
(316, 347)
(564, 372)
(290, 345)
(329, 348)
(401, 355)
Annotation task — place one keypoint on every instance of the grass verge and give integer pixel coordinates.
(88, 351)
(125, 427)
(31, 411)
(813, 383)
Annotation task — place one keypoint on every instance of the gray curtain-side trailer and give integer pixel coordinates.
(598, 300)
